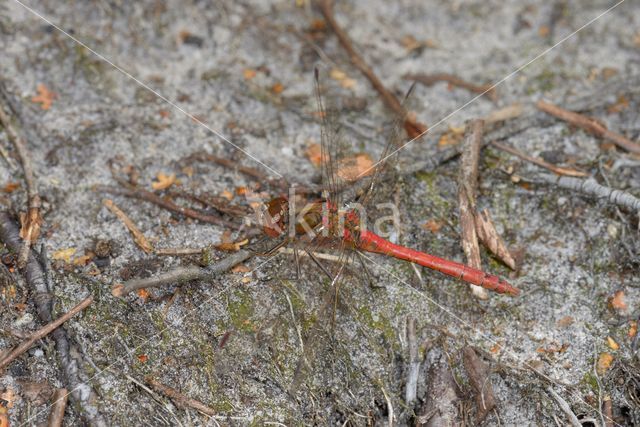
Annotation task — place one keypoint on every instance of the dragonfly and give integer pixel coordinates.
(327, 222)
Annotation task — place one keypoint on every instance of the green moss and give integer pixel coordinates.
(241, 308)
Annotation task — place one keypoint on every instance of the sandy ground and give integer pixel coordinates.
(243, 70)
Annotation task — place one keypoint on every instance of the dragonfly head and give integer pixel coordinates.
(276, 217)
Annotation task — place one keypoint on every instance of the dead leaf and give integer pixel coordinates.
(277, 88)
(318, 25)
(64, 254)
(44, 97)
(8, 396)
(143, 294)
(495, 349)
(621, 104)
(433, 225)
(241, 191)
(453, 136)
(618, 302)
(337, 74)
(37, 393)
(543, 31)
(164, 113)
(353, 168)
(314, 154)
(633, 329)
(553, 348)
(227, 195)
(143, 358)
(11, 187)
(249, 73)
(613, 345)
(604, 363)
(240, 268)
(4, 416)
(83, 260)
(163, 181)
(565, 321)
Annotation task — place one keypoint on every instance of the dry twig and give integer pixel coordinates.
(490, 238)
(590, 125)
(181, 275)
(71, 362)
(148, 196)
(487, 90)
(539, 162)
(414, 363)
(440, 406)
(138, 237)
(32, 220)
(467, 200)
(180, 399)
(414, 129)
(58, 405)
(43, 332)
(564, 406)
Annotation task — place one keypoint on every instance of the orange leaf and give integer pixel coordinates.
(227, 195)
(240, 268)
(163, 181)
(604, 363)
(143, 294)
(164, 113)
(433, 225)
(44, 97)
(618, 302)
(11, 187)
(277, 88)
(633, 329)
(613, 345)
(249, 73)
(143, 358)
(353, 168)
(314, 154)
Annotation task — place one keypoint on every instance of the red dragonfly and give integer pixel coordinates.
(325, 223)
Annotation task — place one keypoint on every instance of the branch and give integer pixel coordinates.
(179, 398)
(487, 90)
(181, 275)
(32, 220)
(467, 185)
(75, 378)
(43, 332)
(590, 125)
(148, 196)
(414, 129)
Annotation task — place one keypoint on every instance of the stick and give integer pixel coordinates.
(564, 406)
(607, 409)
(148, 196)
(58, 405)
(491, 239)
(414, 129)
(43, 332)
(181, 275)
(179, 398)
(69, 356)
(430, 79)
(539, 162)
(478, 373)
(32, 220)
(138, 237)
(467, 184)
(414, 363)
(591, 187)
(589, 125)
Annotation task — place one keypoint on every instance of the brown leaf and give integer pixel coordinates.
(314, 154)
(11, 187)
(143, 294)
(44, 97)
(565, 321)
(249, 73)
(277, 88)
(633, 329)
(353, 168)
(240, 268)
(618, 302)
(433, 225)
(163, 181)
(613, 345)
(8, 396)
